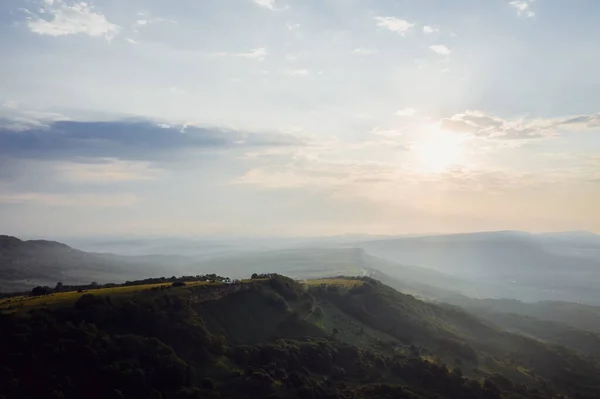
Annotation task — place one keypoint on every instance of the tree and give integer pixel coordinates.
(58, 287)
(39, 290)
(254, 276)
(94, 284)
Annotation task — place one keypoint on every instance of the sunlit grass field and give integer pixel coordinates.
(63, 298)
(340, 282)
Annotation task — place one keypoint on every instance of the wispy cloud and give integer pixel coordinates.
(428, 29)
(57, 18)
(15, 118)
(441, 49)
(405, 112)
(482, 125)
(523, 7)
(270, 4)
(297, 72)
(145, 20)
(394, 24)
(257, 54)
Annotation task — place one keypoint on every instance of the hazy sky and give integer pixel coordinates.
(298, 117)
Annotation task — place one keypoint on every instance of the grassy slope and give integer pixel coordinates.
(372, 316)
(24, 302)
(453, 336)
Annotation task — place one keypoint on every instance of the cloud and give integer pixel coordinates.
(270, 4)
(130, 40)
(57, 18)
(258, 54)
(292, 27)
(427, 29)
(394, 24)
(440, 49)
(479, 124)
(106, 170)
(523, 7)
(131, 139)
(405, 112)
(14, 117)
(147, 20)
(581, 122)
(363, 51)
(71, 200)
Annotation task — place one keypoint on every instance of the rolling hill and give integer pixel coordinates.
(278, 338)
(25, 264)
(560, 267)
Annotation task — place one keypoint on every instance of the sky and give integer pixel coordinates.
(298, 117)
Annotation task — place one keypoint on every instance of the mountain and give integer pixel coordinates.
(580, 316)
(277, 338)
(510, 264)
(25, 264)
(572, 325)
(209, 246)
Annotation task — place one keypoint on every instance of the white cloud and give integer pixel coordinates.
(406, 112)
(293, 27)
(148, 20)
(440, 49)
(394, 24)
(270, 4)
(257, 53)
(479, 124)
(130, 40)
(23, 119)
(363, 51)
(56, 18)
(427, 29)
(523, 7)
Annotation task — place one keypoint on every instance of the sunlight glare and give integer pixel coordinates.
(438, 150)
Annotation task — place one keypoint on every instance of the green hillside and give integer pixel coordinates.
(278, 338)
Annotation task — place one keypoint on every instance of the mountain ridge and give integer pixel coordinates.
(275, 337)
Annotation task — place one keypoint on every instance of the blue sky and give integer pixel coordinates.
(298, 117)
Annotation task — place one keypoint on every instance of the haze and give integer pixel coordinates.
(288, 117)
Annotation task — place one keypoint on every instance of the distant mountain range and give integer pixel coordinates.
(508, 264)
(557, 266)
(24, 264)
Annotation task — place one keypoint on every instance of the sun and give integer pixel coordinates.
(438, 150)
